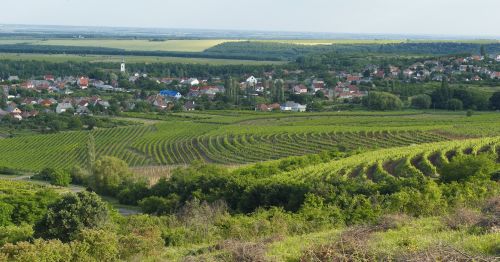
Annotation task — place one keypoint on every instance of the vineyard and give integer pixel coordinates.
(232, 139)
(401, 162)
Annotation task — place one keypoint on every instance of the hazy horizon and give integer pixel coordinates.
(396, 17)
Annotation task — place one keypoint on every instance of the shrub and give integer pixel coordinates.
(8, 171)
(244, 251)
(13, 234)
(466, 167)
(55, 177)
(71, 214)
(462, 218)
(382, 101)
(140, 236)
(391, 221)
(79, 176)
(421, 101)
(38, 251)
(455, 104)
(108, 175)
(158, 205)
(491, 219)
(96, 245)
(350, 247)
(6, 211)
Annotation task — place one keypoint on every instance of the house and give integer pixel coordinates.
(348, 92)
(191, 82)
(83, 82)
(267, 108)
(3, 113)
(495, 75)
(211, 90)
(13, 78)
(29, 101)
(380, 74)
(29, 114)
(293, 107)
(189, 106)
(47, 102)
(351, 78)
(171, 94)
(12, 109)
(477, 58)
(497, 58)
(408, 73)
(28, 85)
(252, 81)
(161, 102)
(83, 110)
(104, 104)
(49, 78)
(16, 116)
(83, 102)
(317, 85)
(63, 107)
(395, 71)
(300, 89)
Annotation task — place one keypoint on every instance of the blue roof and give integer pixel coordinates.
(169, 93)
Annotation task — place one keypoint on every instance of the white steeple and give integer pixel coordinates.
(122, 67)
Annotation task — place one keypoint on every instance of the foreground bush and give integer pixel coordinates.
(70, 215)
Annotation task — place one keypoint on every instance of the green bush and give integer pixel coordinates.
(466, 167)
(66, 218)
(382, 101)
(54, 177)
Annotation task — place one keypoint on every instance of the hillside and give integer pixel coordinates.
(239, 138)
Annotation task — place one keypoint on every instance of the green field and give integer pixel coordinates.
(60, 58)
(239, 138)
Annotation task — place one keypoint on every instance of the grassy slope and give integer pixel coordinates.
(417, 235)
(412, 236)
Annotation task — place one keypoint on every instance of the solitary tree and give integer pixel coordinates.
(483, 51)
(91, 154)
(108, 174)
(495, 100)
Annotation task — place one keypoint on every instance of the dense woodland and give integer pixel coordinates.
(255, 50)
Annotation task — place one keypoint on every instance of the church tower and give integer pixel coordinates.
(122, 66)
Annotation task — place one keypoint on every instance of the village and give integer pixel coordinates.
(82, 95)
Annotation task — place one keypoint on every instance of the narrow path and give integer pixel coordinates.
(122, 209)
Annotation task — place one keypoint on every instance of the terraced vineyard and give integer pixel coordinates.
(399, 162)
(240, 138)
(248, 148)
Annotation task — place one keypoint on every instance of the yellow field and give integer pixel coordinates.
(130, 59)
(129, 45)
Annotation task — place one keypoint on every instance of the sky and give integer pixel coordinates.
(422, 17)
